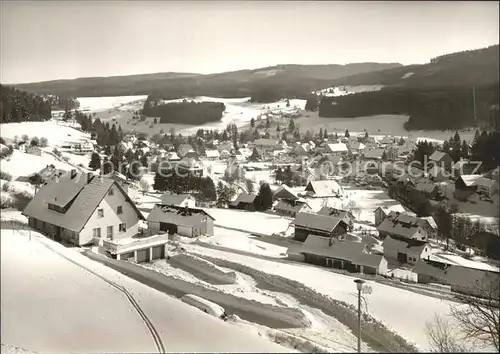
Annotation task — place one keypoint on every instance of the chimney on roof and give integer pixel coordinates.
(73, 173)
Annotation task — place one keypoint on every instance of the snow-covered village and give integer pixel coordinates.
(136, 223)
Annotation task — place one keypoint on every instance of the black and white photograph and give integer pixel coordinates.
(249, 176)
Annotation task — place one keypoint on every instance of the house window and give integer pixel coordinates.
(100, 213)
(110, 233)
(97, 232)
(119, 210)
(122, 227)
(110, 191)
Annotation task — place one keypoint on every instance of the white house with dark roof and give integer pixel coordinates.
(82, 208)
(403, 225)
(291, 208)
(405, 250)
(180, 200)
(183, 221)
(344, 215)
(382, 212)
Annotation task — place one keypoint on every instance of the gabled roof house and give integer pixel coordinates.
(80, 208)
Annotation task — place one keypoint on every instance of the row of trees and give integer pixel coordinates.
(20, 106)
(105, 134)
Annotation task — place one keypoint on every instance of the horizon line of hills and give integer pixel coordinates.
(436, 95)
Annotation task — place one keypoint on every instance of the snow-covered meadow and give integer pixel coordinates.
(403, 311)
(69, 298)
(56, 134)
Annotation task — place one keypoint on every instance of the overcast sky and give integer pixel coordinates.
(48, 40)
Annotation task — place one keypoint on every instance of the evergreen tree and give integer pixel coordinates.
(291, 126)
(384, 156)
(129, 155)
(465, 149)
(366, 135)
(446, 146)
(252, 122)
(278, 128)
(255, 155)
(347, 135)
(325, 136)
(95, 161)
(207, 189)
(268, 123)
(264, 199)
(321, 135)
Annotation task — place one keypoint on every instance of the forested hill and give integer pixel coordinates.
(283, 80)
(468, 68)
(437, 95)
(20, 106)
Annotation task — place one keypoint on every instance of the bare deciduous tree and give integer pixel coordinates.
(443, 337)
(478, 318)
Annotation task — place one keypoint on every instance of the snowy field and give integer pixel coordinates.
(253, 222)
(377, 126)
(55, 133)
(243, 241)
(22, 164)
(96, 104)
(239, 111)
(404, 311)
(47, 300)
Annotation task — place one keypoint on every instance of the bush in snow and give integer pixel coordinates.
(35, 141)
(43, 142)
(5, 151)
(5, 176)
(56, 152)
(25, 138)
(20, 199)
(5, 187)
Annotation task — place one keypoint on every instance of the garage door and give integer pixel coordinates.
(159, 252)
(171, 228)
(143, 256)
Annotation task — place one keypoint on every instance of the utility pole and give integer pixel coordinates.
(359, 286)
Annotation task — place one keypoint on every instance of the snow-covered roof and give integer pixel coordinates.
(350, 250)
(454, 259)
(316, 222)
(437, 156)
(212, 153)
(325, 188)
(338, 147)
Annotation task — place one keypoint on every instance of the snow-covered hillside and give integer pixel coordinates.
(96, 104)
(22, 164)
(56, 134)
(48, 299)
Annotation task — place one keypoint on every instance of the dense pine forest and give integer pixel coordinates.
(194, 113)
(20, 106)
